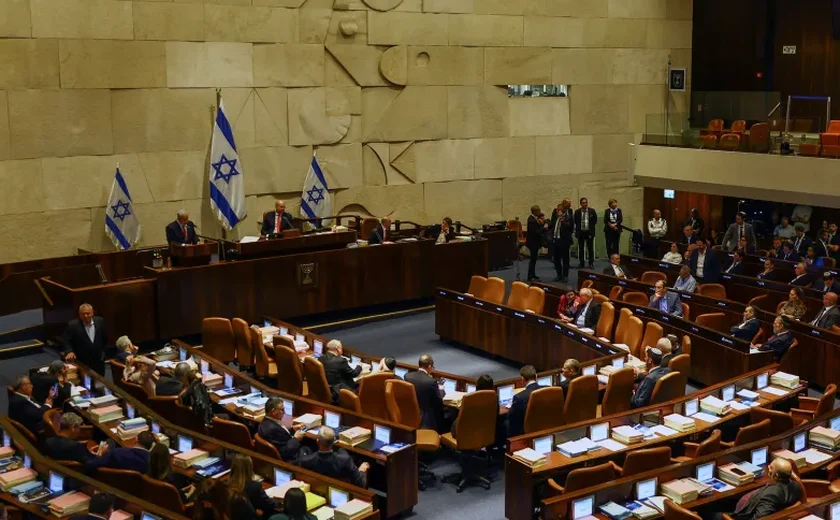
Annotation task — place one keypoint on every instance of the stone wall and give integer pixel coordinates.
(404, 101)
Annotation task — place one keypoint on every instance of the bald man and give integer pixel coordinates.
(429, 394)
(85, 339)
(588, 312)
(276, 221)
(780, 492)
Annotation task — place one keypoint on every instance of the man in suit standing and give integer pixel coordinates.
(781, 340)
(612, 227)
(23, 409)
(829, 315)
(801, 277)
(338, 370)
(562, 226)
(588, 312)
(801, 243)
(780, 492)
(653, 359)
(533, 240)
(616, 269)
(136, 458)
(335, 464)
(182, 230)
(271, 429)
(704, 263)
(64, 446)
(748, 328)
(516, 413)
(381, 234)
(737, 265)
(429, 394)
(828, 284)
(585, 220)
(86, 339)
(665, 301)
(277, 221)
(737, 230)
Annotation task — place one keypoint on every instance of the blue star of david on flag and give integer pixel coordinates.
(316, 195)
(220, 171)
(316, 202)
(121, 224)
(121, 210)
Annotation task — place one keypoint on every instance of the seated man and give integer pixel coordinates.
(769, 272)
(338, 370)
(616, 269)
(276, 221)
(801, 278)
(516, 414)
(387, 364)
(271, 429)
(779, 493)
(101, 506)
(381, 233)
(23, 409)
(789, 252)
(174, 384)
(781, 340)
(335, 464)
(737, 265)
(665, 301)
(828, 283)
(745, 248)
(666, 346)
(588, 312)
(43, 382)
(429, 394)
(64, 445)
(653, 359)
(748, 328)
(829, 315)
(447, 234)
(570, 371)
(125, 349)
(136, 458)
(685, 282)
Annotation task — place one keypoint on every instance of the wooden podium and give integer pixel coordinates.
(188, 255)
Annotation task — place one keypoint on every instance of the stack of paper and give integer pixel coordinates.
(324, 513)
(252, 407)
(749, 395)
(131, 428)
(713, 405)
(106, 413)
(453, 399)
(621, 346)
(6, 452)
(680, 423)
(784, 380)
(529, 457)
(308, 420)
(105, 400)
(615, 511)
(352, 510)
(607, 370)
(794, 458)
(119, 514)
(735, 475)
(212, 380)
(627, 435)
(314, 501)
(279, 492)
(824, 437)
(679, 491)
(634, 362)
(69, 503)
(641, 511)
(188, 458)
(355, 435)
(17, 477)
(166, 354)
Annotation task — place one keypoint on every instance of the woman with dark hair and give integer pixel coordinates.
(569, 304)
(484, 382)
(242, 484)
(294, 507)
(795, 306)
(160, 468)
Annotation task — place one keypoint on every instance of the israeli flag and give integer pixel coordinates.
(121, 224)
(227, 186)
(315, 201)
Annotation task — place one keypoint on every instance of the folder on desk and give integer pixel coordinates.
(212, 380)
(824, 437)
(106, 413)
(352, 510)
(308, 420)
(627, 435)
(69, 503)
(453, 398)
(529, 457)
(679, 491)
(281, 490)
(104, 400)
(713, 405)
(324, 513)
(6, 452)
(784, 380)
(14, 478)
(355, 435)
(680, 423)
(615, 511)
(188, 458)
(314, 501)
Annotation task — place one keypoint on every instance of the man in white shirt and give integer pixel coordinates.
(657, 226)
(802, 215)
(801, 278)
(784, 230)
(685, 282)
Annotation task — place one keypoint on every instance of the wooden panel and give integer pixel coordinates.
(676, 211)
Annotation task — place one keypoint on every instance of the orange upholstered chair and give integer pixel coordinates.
(605, 322)
(738, 126)
(730, 142)
(708, 141)
(653, 333)
(670, 386)
(316, 380)
(242, 343)
(582, 478)
(715, 127)
(694, 450)
(232, 432)
(289, 372)
(372, 394)
(536, 300)
(600, 298)
(747, 434)
(217, 339)
(615, 292)
(582, 401)
(265, 367)
(633, 336)
(831, 137)
(478, 285)
(401, 401)
(652, 277)
(713, 320)
(640, 461)
(494, 291)
(545, 409)
(809, 149)
(348, 400)
(812, 407)
(712, 290)
(518, 297)
(780, 422)
(830, 150)
(619, 392)
(760, 137)
(636, 298)
(686, 344)
(624, 316)
(681, 364)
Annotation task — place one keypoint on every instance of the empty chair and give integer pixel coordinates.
(670, 386)
(686, 344)
(653, 333)
(348, 400)
(695, 450)
(760, 137)
(618, 393)
(265, 367)
(730, 142)
(739, 126)
(545, 409)
(401, 401)
(681, 364)
(809, 149)
(518, 297)
(759, 337)
(123, 479)
(624, 316)
(536, 300)
(289, 373)
(242, 343)
(677, 512)
(747, 434)
(812, 407)
(615, 292)
(633, 335)
(708, 141)
(604, 327)
(640, 461)
(232, 432)
(636, 298)
(263, 447)
(587, 284)
(715, 126)
(686, 310)
(652, 277)
(582, 478)
(367, 227)
(713, 320)
(478, 284)
(476, 431)
(790, 359)
(494, 290)
(372, 394)
(316, 380)
(759, 301)
(217, 339)
(831, 136)
(780, 422)
(712, 290)
(582, 401)
(166, 496)
(600, 298)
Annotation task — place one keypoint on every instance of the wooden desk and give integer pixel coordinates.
(515, 335)
(503, 248)
(819, 507)
(521, 480)
(296, 244)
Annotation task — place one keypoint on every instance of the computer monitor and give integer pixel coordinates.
(107, 391)
(382, 434)
(205, 366)
(281, 477)
(706, 472)
(728, 393)
(129, 411)
(599, 432)
(645, 489)
(288, 408)
(400, 372)
(759, 457)
(7, 441)
(149, 516)
(266, 323)
(583, 507)
(543, 445)
(761, 380)
(185, 443)
(228, 380)
(355, 360)
(284, 331)
(182, 354)
(338, 498)
(589, 370)
(691, 407)
(834, 424)
(505, 393)
(470, 388)
(27, 461)
(299, 337)
(545, 381)
(834, 513)
(448, 385)
(56, 484)
(86, 382)
(255, 390)
(618, 362)
(800, 442)
(332, 419)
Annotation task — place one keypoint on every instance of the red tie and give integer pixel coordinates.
(277, 221)
(185, 234)
(384, 235)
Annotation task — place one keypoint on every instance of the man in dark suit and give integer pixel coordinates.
(429, 394)
(533, 240)
(689, 237)
(136, 458)
(616, 269)
(781, 340)
(562, 226)
(789, 252)
(86, 339)
(779, 493)
(748, 328)
(653, 359)
(173, 385)
(588, 312)
(745, 247)
(828, 283)
(277, 221)
(54, 376)
(571, 370)
(737, 265)
(740, 229)
(801, 278)
(829, 315)
(769, 274)
(665, 301)
(335, 464)
(704, 263)
(516, 413)
(338, 370)
(64, 446)
(612, 227)
(271, 429)
(101, 507)
(586, 219)
(381, 233)
(821, 245)
(182, 230)
(801, 243)
(695, 222)
(23, 409)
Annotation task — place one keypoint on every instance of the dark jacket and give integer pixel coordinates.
(593, 221)
(618, 220)
(793, 256)
(136, 459)
(175, 234)
(832, 317)
(821, 249)
(696, 224)
(168, 386)
(282, 516)
(516, 414)
(610, 271)
(778, 344)
(643, 394)
(42, 383)
(270, 223)
(534, 232)
(735, 268)
(688, 241)
(593, 314)
(768, 500)
(379, 235)
(89, 353)
(62, 448)
(28, 413)
(820, 286)
(335, 464)
(747, 331)
(711, 268)
(338, 372)
(567, 226)
(772, 276)
(803, 244)
(801, 281)
(429, 399)
(258, 498)
(283, 439)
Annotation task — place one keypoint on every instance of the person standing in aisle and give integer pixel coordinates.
(612, 227)
(586, 219)
(562, 226)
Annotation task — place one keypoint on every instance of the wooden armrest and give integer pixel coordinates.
(616, 467)
(554, 486)
(833, 470)
(816, 488)
(724, 516)
(691, 449)
(834, 487)
(808, 403)
(727, 445)
(799, 416)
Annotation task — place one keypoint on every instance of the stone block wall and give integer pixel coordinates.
(404, 102)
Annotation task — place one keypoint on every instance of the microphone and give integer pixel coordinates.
(190, 222)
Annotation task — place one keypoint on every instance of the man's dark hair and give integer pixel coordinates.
(785, 322)
(448, 221)
(583, 199)
(528, 373)
(101, 503)
(146, 439)
(390, 363)
(484, 382)
(272, 403)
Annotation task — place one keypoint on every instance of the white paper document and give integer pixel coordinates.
(706, 417)
(775, 391)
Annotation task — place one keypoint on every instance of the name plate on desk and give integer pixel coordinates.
(307, 276)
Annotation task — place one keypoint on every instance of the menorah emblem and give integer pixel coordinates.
(307, 275)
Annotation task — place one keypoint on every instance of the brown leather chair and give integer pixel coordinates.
(677, 512)
(367, 227)
(478, 285)
(712, 290)
(232, 432)
(316, 380)
(266, 368)
(600, 298)
(624, 316)
(164, 405)
(760, 337)
(686, 344)
(30, 436)
(686, 310)
(812, 408)
(653, 333)
(713, 320)
(780, 422)
(401, 401)
(494, 292)
(242, 341)
(372, 394)
(71, 464)
(695, 450)
(758, 301)
(52, 418)
(640, 461)
(651, 277)
(217, 339)
(133, 389)
(582, 401)
(587, 284)
(536, 300)
(670, 386)
(790, 359)
(747, 434)
(681, 364)
(616, 291)
(604, 327)
(348, 400)
(545, 409)
(619, 392)
(263, 447)
(476, 431)
(518, 297)
(165, 495)
(636, 298)
(123, 479)
(730, 142)
(582, 478)
(186, 418)
(633, 336)
(289, 373)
